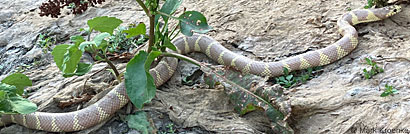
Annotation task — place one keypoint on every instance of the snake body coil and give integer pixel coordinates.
(117, 98)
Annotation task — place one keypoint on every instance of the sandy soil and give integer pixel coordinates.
(339, 100)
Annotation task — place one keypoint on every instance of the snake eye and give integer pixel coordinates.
(394, 10)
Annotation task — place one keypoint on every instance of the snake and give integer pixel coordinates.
(117, 97)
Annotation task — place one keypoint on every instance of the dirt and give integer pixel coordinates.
(339, 100)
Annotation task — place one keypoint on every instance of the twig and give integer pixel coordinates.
(144, 7)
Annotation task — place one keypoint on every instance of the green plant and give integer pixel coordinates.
(138, 81)
(44, 41)
(377, 3)
(121, 43)
(287, 80)
(389, 90)
(139, 121)
(11, 92)
(170, 128)
(373, 71)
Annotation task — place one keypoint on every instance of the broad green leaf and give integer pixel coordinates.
(82, 68)
(71, 59)
(139, 122)
(169, 7)
(19, 80)
(138, 82)
(193, 21)
(77, 39)
(100, 37)
(22, 105)
(104, 24)
(135, 31)
(58, 54)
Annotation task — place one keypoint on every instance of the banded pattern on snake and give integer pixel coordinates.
(117, 98)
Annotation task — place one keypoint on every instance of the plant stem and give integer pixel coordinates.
(117, 74)
(176, 35)
(159, 12)
(89, 35)
(144, 7)
(151, 33)
(112, 66)
(151, 25)
(183, 57)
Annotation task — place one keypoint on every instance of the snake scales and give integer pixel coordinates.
(117, 98)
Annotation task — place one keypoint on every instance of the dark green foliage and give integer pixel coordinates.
(288, 79)
(45, 41)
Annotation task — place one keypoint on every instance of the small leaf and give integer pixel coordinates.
(248, 108)
(140, 29)
(384, 94)
(86, 44)
(71, 59)
(8, 88)
(19, 80)
(22, 106)
(394, 91)
(285, 71)
(151, 57)
(289, 77)
(103, 46)
(193, 21)
(58, 55)
(169, 7)
(368, 61)
(139, 122)
(282, 78)
(100, 37)
(168, 44)
(138, 82)
(104, 24)
(77, 39)
(82, 68)
(367, 76)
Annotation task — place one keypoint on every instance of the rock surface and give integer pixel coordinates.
(339, 100)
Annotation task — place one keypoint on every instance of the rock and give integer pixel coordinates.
(3, 40)
(35, 53)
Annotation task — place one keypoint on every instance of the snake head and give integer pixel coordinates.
(392, 10)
